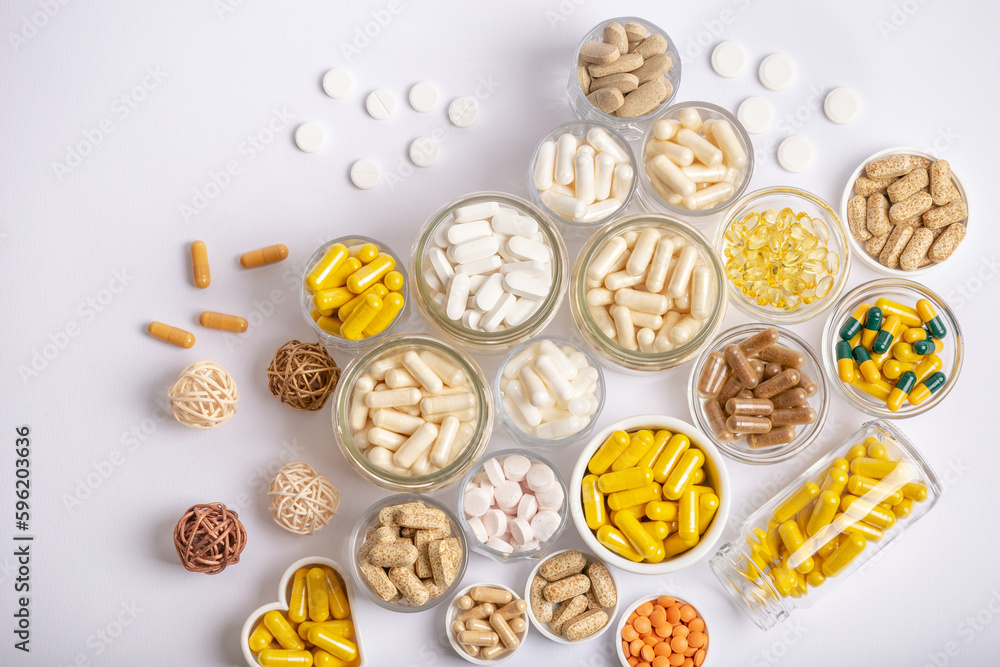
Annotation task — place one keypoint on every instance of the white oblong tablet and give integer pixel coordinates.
(729, 59)
(777, 71)
(423, 97)
(309, 137)
(842, 106)
(380, 104)
(337, 83)
(756, 114)
(795, 154)
(463, 111)
(365, 174)
(424, 152)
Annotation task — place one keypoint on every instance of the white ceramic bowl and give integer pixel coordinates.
(453, 611)
(714, 466)
(284, 591)
(544, 627)
(646, 598)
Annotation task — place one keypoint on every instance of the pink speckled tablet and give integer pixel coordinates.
(507, 493)
(527, 507)
(545, 524)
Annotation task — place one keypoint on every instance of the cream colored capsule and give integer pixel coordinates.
(725, 138)
(703, 149)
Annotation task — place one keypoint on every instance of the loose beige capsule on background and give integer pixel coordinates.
(264, 256)
(199, 264)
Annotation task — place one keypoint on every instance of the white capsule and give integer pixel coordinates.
(647, 302)
(709, 196)
(545, 165)
(685, 330)
(560, 428)
(706, 153)
(441, 234)
(690, 118)
(513, 366)
(489, 293)
(585, 382)
(662, 342)
(601, 265)
(562, 362)
(468, 414)
(393, 397)
(519, 313)
(565, 206)
(458, 295)
(381, 437)
(480, 266)
(529, 412)
(665, 128)
(472, 319)
(699, 173)
(430, 277)
(679, 155)
(415, 445)
(441, 452)
(465, 432)
(662, 189)
(381, 458)
(532, 268)
(439, 262)
(657, 276)
(604, 143)
(621, 183)
(622, 279)
(584, 185)
(672, 176)
(642, 253)
(396, 422)
(534, 388)
(451, 374)
(553, 377)
(644, 337)
(565, 152)
(470, 231)
(491, 321)
(357, 416)
(510, 223)
(583, 406)
(600, 210)
(603, 321)
(521, 284)
(586, 149)
(682, 272)
(480, 211)
(475, 250)
(514, 414)
(397, 378)
(423, 373)
(624, 327)
(604, 170)
(682, 304)
(727, 141)
(560, 189)
(600, 296)
(701, 304)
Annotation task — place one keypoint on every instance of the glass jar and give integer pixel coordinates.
(611, 352)
(653, 200)
(309, 312)
(571, 227)
(353, 445)
(789, 553)
(455, 330)
(630, 128)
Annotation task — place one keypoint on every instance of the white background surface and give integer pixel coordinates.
(926, 72)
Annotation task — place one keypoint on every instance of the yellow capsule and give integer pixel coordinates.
(329, 300)
(317, 595)
(877, 516)
(903, 508)
(172, 335)
(903, 351)
(791, 537)
(392, 304)
(687, 516)
(816, 577)
(276, 657)
(340, 607)
(637, 511)
(845, 370)
(348, 308)
(698, 476)
(672, 453)
(915, 491)
(660, 440)
(865, 530)
(873, 489)
(927, 367)
(835, 481)
(796, 502)
(613, 539)
(323, 658)
(637, 536)
(609, 450)
(297, 607)
(840, 462)
(874, 468)
(682, 474)
(331, 325)
(708, 505)
(875, 448)
(342, 628)
(330, 262)
(260, 638)
(337, 645)
(199, 264)
(370, 273)
(893, 368)
(658, 530)
(354, 326)
(661, 510)
(264, 256)
(393, 281)
(913, 334)
(880, 389)
(315, 315)
(675, 544)
(283, 633)
(365, 252)
(222, 322)
(823, 512)
(908, 316)
(856, 452)
(659, 554)
(831, 546)
(849, 549)
(623, 480)
(593, 503)
(338, 277)
(639, 443)
(644, 494)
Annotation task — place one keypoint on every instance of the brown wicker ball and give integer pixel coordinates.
(209, 537)
(302, 375)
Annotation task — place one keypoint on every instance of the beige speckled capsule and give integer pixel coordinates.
(642, 100)
(387, 515)
(379, 535)
(625, 82)
(540, 607)
(598, 53)
(889, 166)
(653, 67)
(602, 585)
(942, 216)
(908, 185)
(607, 100)
(568, 610)
(564, 589)
(915, 204)
(877, 215)
(653, 45)
(433, 589)
(919, 162)
(497, 596)
(866, 187)
(378, 580)
(625, 63)
(507, 636)
(946, 243)
(585, 625)
(407, 583)
(592, 602)
(943, 189)
(445, 556)
(916, 250)
(874, 245)
(481, 611)
(563, 565)
(401, 552)
(857, 218)
(894, 245)
(421, 517)
(614, 34)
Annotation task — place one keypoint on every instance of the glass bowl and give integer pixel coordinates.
(453, 611)
(805, 434)
(907, 293)
(799, 201)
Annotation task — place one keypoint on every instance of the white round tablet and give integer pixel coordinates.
(463, 111)
(540, 477)
(729, 59)
(842, 106)
(424, 152)
(494, 471)
(516, 466)
(756, 114)
(380, 104)
(365, 174)
(309, 137)
(476, 501)
(777, 71)
(795, 154)
(423, 96)
(507, 494)
(544, 524)
(478, 529)
(337, 83)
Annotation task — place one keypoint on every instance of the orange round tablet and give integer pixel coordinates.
(645, 609)
(629, 634)
(642, 663)
(679, 644)
(632, 617)
(696, 625)
(663, 630)
(681, 630)
(635, 647)
(688, 613)
(647, 653)
(688, 662)
(675, 659)
(663, 648)
(660, 661)
(625, 649)
(699, 657)
(673, 615)
(642, 625)
(658, 617)
(691, 650)
(664, 600)
(633, 661)
(697, 639)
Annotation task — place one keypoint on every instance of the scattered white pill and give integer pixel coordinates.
(842, 106)
(380, 104)
(516, 467)
(424, 152)
(795, 154)
(423, 96)
(365, 174)
(756, 114)
(463, 111)
(337, 83)
(729, 59)
(777, 71)
(309, 137)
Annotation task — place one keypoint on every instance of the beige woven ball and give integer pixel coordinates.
(204, 396)
(302, 500)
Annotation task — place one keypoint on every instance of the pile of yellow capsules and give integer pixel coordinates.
(824, 526)
(780, 259)
(648, 497)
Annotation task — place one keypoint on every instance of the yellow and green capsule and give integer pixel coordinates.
(907, 381)
(873, 322)
(907, 315)
(929, 386)
(924, 347)
(852, 327)
(893, 368)
(930, 318)
(884, 337)
(930, 365)
(913, 334)
(845, 361)
(868, 368)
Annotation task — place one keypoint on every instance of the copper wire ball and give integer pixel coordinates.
(209, 537)
(302, 500)
(302, 375)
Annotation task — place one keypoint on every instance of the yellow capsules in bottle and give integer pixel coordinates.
(623, 480)
(276, 657)
(609, 450)
(842, 463)
(593, 503)
(915, 491)
(682, 474)
(660, 440)
(903, 508)
(199, 264)
(637, 536)
(644, 494)
(836, 480)
(849, 549)
(874, 468)
(823, 512)
(330, 262)
(370, 273)
(661, 510)
(172, 335)
(791, 537)
(392, 304)
(282, 630)
(355, 324)
(340, 608)
(687, 516)
(317, 595)
(830, 546)
(672, 453)
(796, 502)
(874, 448)
(297, 608)
(865, 530)
(613, 539)
(260, 638)
(639, 443)
(876, 515)
(336, 645)
(222, 322)
(637, 511)
(874, 489)
(856, 452)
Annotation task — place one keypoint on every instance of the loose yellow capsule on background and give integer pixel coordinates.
(340, 608)
(199, 264)
(331, 260)
(276, 657)
(593, 503)
(609, 450)
(283, 633)
(222, 322)
(260, 638)
(317, 595)
(613, 539)
(392, 304)
(393, 281)
(297, 609)
(264, 256)
(682, 473)
(370, 273)
(172, 335)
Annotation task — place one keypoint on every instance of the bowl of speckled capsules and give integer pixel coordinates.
(765, 425)
(663, 630)
(354, 282)
(572, 597)
(664, 471)
(636, 64)
(904, 181)
(786, 254)
(486, 624)
(696, 160)
(408, 553)
(900, 361)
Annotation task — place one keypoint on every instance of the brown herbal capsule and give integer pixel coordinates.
(741, 367)
(199, 264)
(807, 383)
(790, 398)
(779, 435)
(730, 388)
(759, 341)
(747, 424)
(785, 356)
(771, 370)
(717, 421)
(713, 374)
(783, 416)
(757, 407)
(786, 379)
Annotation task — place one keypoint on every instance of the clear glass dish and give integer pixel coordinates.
(545, 629)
